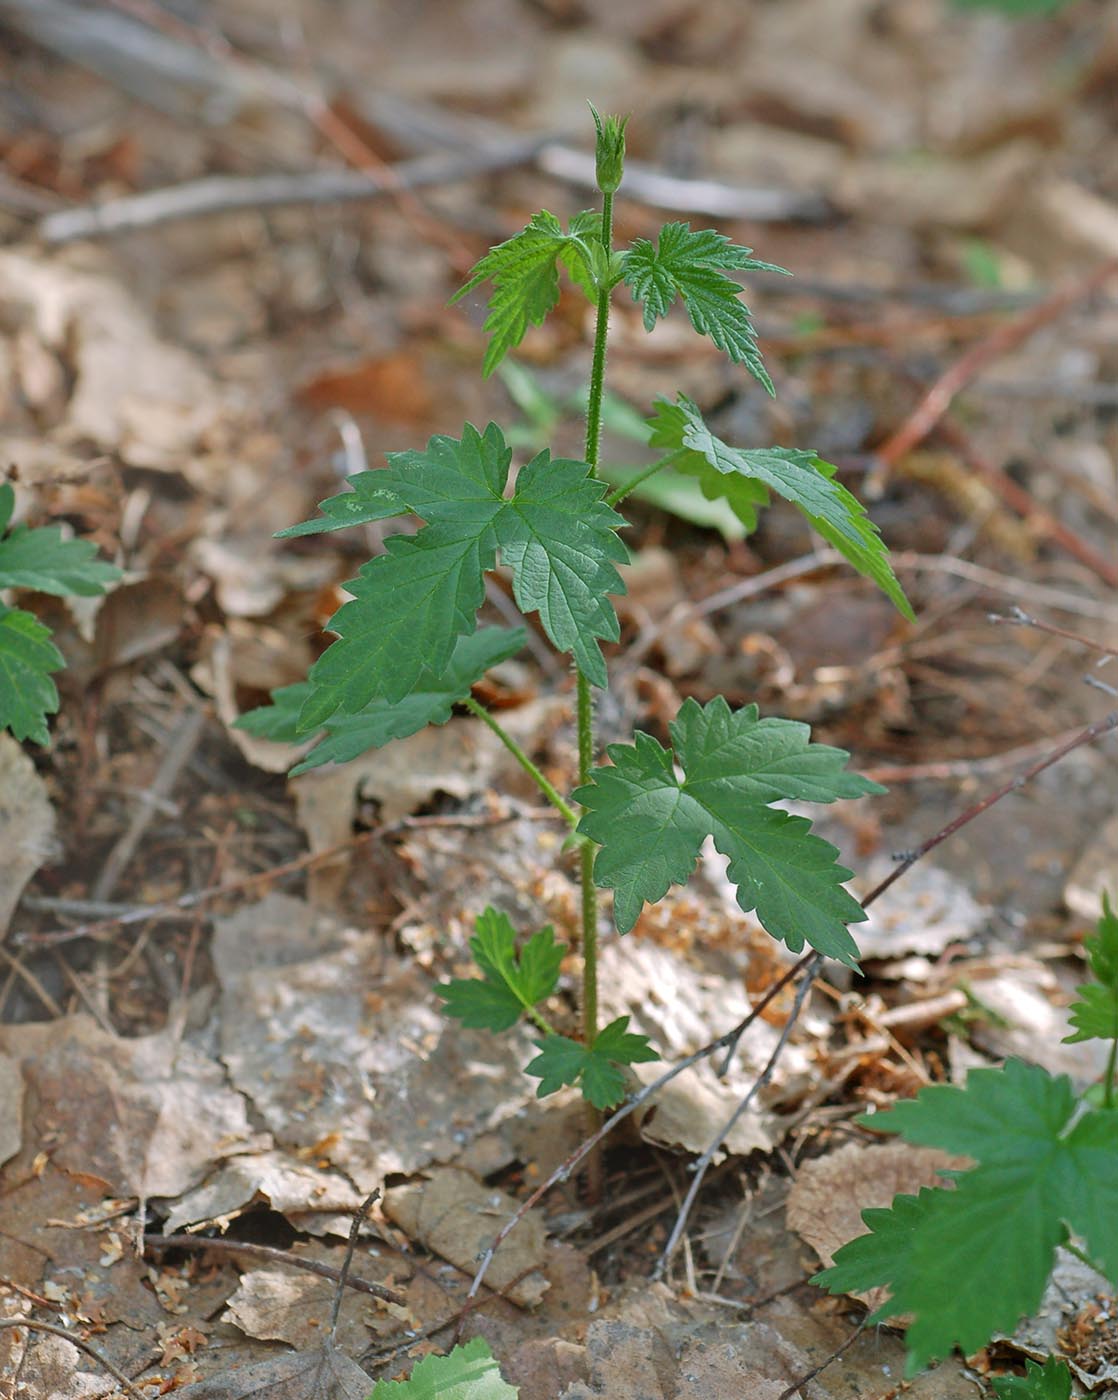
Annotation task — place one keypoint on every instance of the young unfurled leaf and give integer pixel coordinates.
(412, 603)
(41, 559)
(509, 986)
(1052, 1381)
(469, 1372)
(27, 657)
(693, 266)
(596, 1069)
(650, 823)
(525, 280)
(431, 702)
(1095, 1014)
(800, 477)
(972, 1261)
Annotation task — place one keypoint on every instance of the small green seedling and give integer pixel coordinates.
(971, 1260)
(409, 648)
(42, 560)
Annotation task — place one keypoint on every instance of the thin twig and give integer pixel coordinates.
(938, 399)
(568, 1165)
(360, 1215)
(184, 738)
(276, 1256)
(818, 1370)
(1018, 617)
(224, 194)
(34, 1325)
(701, 1165)
(1084, 736)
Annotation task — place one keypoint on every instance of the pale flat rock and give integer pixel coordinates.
(26, 825)
(11, 1108)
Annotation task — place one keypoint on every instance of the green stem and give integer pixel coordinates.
(1111, 1070)
(585, 698)
(548, 789)
(627, 487)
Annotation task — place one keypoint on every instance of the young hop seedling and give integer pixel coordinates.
(41, 560)
(408, 648)
(970, 1260)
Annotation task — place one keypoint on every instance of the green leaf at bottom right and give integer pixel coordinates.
(971, 1261)
(1052, 1381)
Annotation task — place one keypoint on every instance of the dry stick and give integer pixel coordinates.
(1018, 499)
(359, 1217)
(34, 1325)
(224, 194)
(106, 928)
(341, 1276)
(184, 739)
(969, 366)
(732, 1036)
(1018, 617)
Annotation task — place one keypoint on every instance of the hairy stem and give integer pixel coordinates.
(548, 789)
(585, 699)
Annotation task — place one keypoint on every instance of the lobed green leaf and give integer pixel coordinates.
(411, 604)
(41, 559)
(510, 984)
(597, 1069)
(693, 266)
(1095, 1014)
(1052, 1381)
(348, 736)
(650, 823)
(525, 278)
(27, 658)
(800, 477)
(469, 1372)
(970, 1261)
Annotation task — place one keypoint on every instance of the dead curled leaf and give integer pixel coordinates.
(148, 1116)
(324, 1373)
(826, 1201)
(26, 825)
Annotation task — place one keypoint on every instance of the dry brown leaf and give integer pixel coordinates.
(457, 1217)
(359, 1071)
(923, 913)
(323, 1373)
(828, 1197)
(132, 393)
(298, 1190)
(148, 1116)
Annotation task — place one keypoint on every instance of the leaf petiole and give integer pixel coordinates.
(627, 487)
(549, 790)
